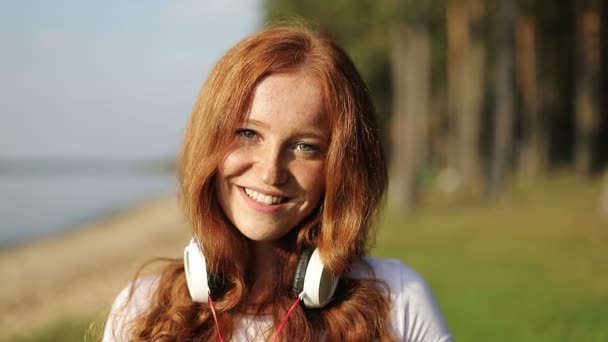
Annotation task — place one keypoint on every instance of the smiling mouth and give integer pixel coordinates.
(263, 198)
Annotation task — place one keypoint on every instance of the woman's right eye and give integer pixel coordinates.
(246, 133)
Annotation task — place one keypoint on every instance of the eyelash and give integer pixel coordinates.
(246, 133)
(250, 134)
(310, 147)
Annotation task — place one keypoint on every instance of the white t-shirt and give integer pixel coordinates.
(415, 315)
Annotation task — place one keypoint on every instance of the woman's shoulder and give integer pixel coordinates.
(416, 315)
(393, 272)
(130, 302)
(142, 291)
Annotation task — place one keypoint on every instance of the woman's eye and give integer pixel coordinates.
(304, 147)
(246, 133)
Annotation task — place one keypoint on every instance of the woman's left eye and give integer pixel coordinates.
(304, 147)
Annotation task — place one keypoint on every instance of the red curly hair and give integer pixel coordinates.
(341, 227)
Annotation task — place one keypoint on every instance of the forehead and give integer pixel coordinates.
(294, 98)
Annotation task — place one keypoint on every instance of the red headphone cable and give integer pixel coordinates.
(276, 334)
(284, 322)
(217, 324)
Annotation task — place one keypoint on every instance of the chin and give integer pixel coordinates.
(254, 234)
(264, 229)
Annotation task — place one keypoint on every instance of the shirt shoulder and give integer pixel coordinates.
(127, 307)
(416, 315)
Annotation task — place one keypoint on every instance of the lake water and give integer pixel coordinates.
(33, 207)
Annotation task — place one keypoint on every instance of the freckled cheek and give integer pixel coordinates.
(312, 180)
(234, 162)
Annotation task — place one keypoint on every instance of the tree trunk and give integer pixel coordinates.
(466, 62)
(504, 97)
(533, 154)
(411, 88)
(456, 38)
(587, 83)
(603, 207)
(602, 146)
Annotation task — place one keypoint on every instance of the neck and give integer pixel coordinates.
(264, 258)
(266, 272)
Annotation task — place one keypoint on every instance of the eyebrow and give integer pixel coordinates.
(312, 133)
(255, 123)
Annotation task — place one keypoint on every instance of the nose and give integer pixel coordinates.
(271, 166)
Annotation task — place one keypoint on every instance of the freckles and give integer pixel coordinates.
(234, 161)
(312, 177)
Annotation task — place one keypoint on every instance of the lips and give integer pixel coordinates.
(264, 198)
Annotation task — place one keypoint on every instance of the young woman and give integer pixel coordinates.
(282, 176)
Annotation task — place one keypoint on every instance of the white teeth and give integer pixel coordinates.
(260, 197)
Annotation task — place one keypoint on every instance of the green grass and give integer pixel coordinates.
(62, 330)
(532, 267)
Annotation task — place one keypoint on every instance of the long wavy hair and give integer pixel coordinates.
(341, 227)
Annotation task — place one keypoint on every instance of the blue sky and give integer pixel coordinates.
(108, 78)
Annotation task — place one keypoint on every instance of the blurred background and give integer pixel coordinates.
(495, 126)
(94, 101)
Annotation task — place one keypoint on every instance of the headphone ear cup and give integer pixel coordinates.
(312, 278)
(298, 280)
(195, 268)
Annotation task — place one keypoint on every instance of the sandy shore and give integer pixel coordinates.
(77, 275)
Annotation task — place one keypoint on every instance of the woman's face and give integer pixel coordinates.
(273, 176)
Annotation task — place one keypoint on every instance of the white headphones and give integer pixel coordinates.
(316, 284)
